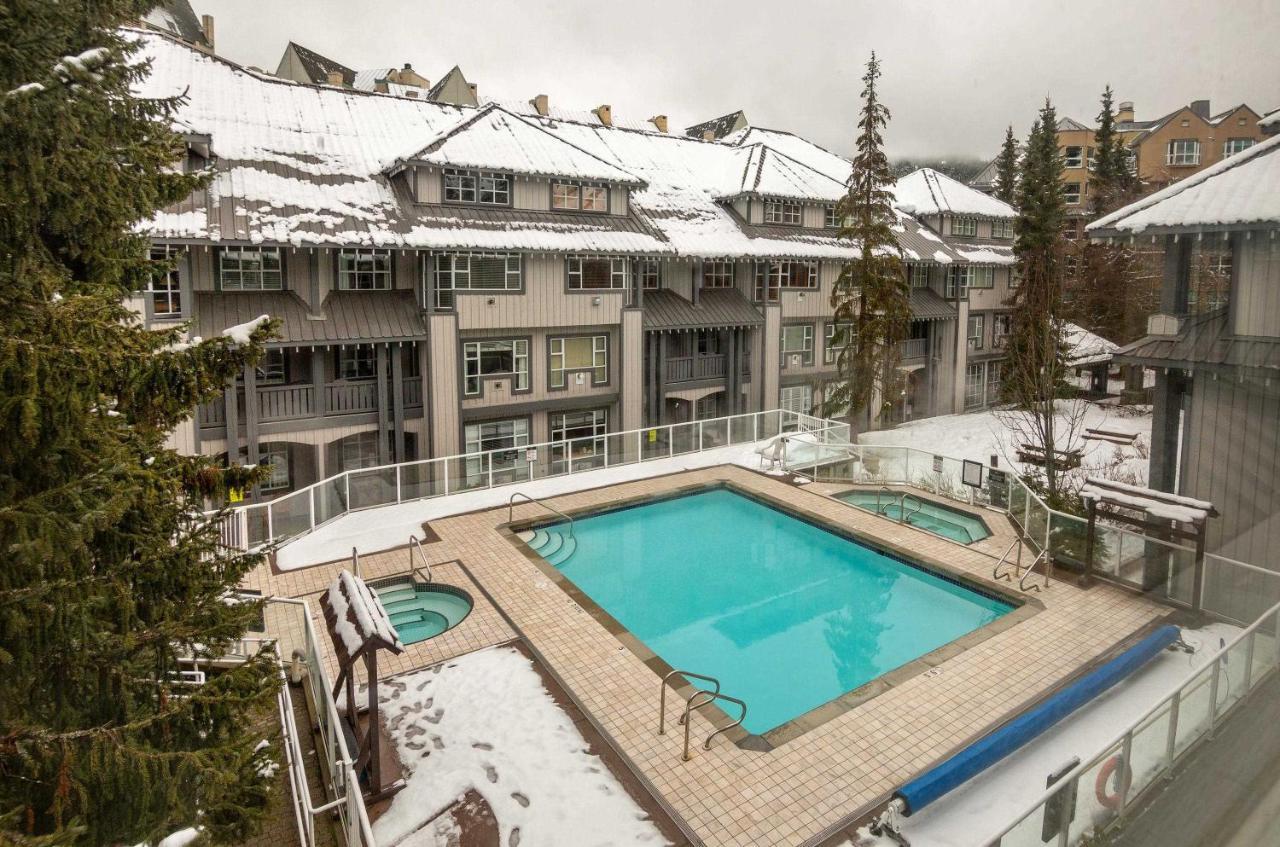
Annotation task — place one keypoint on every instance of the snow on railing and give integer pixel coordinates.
(302, 511)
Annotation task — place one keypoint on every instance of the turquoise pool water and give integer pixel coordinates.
(933, 517)
(420, 611)
(785, 614)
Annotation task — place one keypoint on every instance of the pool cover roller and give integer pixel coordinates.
(990, 749)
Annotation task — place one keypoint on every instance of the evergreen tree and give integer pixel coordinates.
(1007, 168)
(1112, 184)
(1034, 371)
(110, 574)
(870, 298)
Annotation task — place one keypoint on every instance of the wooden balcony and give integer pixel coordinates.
(295, 402)
(913, 349)
(690, 368)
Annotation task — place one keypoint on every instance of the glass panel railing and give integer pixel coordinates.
(884, 465)
(420, 480)
(1193, 710)
(291, 514)
(624, 448)
(742, 429)
(586, 454)
(768, 424)
(330, 497)
(1037, 522)
(1090, 812)
(1069, 540)
(372, 487)
(715, 433)
(1149, 752)
(684, 438)
(467, 473)
(257, 524)
(655, 443)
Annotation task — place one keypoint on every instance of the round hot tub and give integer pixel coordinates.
(422, 610)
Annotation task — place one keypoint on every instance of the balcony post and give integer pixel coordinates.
(232, 418)
(731, 373)
(380, 351)
(661, 361)
(317, 382)
(251, 409)
(397, 402)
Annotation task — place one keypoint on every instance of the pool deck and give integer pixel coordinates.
(806, 787)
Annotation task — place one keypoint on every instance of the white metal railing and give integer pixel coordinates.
(300, 512)
(1151, 746)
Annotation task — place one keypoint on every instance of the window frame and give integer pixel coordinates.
(355, 356)
(829, 350)
(619, 272)
(769, 278)
(649, 273)
(583, 446)
(581, 188)
(260, 272)
(599, 368)
(519, 439)
(1072, 192)
(805, 390)
(1076, 161)
(831, 217)
(1177, 156)
(982, 277)
(357, 254)
(1230, 143)
(473, 350)
(807, 339)
(362, 441)
(267, 456)
(446, 267)
(976, 342)
(171, 293)
(1004, 231)
(500, 184)
(780, 212)
(955, 287)
(918, 276)
(717, 274)
(969, 228)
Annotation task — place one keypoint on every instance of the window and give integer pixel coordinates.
(165, 290)
(1236, 145)
(1071, 229)
(271, 369)
(1002, 229)
(958, 279)
(483, 187)
(249, 269)
(497, 435)
(831, 219)
(464, 272)
(706, 342)
(773, 276)
(707, 408)
(596, 274)
(977, 325)
(717, 274)
(359, 451)
(274, 458)
(1092, 161)
(796, 398)
(781, 212)
(579, 197)
(584, 430)
(357, 363)
(797, 340)
(919, 276)
(364, 270)
(1183, 151)
(974, 385)
(1072, 157)
(584, 353)
(993, 381)
(650, 274)
(1001, 326)
(964, 226)
(1131, 161)
(982, 278)
(1071, 192)
(508, 357)
(833, 343)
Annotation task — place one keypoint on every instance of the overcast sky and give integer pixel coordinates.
(956, 72)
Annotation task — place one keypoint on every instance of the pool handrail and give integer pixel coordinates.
(711, 697)
(511, 502)
(1004, 559)
(903, 517)
(662, 695)
(415, 546)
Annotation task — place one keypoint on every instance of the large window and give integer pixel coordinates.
(919, 276)
(357, 363)
(781, 212)
(272, 368)
(796, 398)
(165, 289)
(596, 274)
(650, 274)
(274, 458)
(797, 340)
(1071, 192)
(831, 218)
(975, 385)
(497, 435)
(583, 430)
(1002, 229)
(464, 272)
(1073, 157)
(838, 337)
(707, 408)
(506, 357)
(964, 226)
(958, 279)
(982, 278)
(250, 269)
(774, 276)
(1001, 326)
(579, 197)
(472, 186)
(364, 270)
(1183, 151)
(579, 354)
(359, 451)
(1236, 145)
(717, 274)
(976, 331)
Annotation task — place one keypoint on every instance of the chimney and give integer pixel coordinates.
(206, 26)
(1201, 108)
(1124, 111)
(541, 104)
(604, 113)
(708, 135)
(660, 121)
(335, 78)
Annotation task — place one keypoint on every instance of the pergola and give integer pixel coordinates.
(1164, 515)
(359, 627)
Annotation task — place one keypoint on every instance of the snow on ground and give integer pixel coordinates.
(518, 749)
(977, 811)
(980, 435)
(371, 530)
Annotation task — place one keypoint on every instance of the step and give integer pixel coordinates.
(552, 546)
(396, 595)
(540, 538)
(408, 604)
(525, 535)
(562, 555)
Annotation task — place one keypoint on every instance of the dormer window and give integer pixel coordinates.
(485, 188)
(781, 212)
(578, 197)
(832, 219)
(964, 226)
(1002, 229)
(364, 270)
(250, 269)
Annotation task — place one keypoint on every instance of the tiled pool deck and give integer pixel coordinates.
(807, 785)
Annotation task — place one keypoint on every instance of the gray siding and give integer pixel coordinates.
(1256, 297)
(544, 303)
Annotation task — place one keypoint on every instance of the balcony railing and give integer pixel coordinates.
(292, 402)
(413, 391)
(913, 348)
(285, 402)
(341, 398)
(688, 368)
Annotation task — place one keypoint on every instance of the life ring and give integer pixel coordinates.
(1125, 775)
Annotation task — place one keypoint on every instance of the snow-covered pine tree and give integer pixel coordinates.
(870, 298)
(1034, 372)
(1112, 183)
(109, 572)
(1007, 168)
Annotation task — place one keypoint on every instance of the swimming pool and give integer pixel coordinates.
(786, 614)
(924, 514)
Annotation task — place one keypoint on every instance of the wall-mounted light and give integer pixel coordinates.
(492, 301)
(595, 301)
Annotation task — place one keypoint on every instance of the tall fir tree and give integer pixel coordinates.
(870, 299)
(1034, 371)
(1112, 184)
(1007, 168)
(110, 573)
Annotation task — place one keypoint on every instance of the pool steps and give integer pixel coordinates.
(550, 544)
(414, 621)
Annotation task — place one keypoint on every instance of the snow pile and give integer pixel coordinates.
(1158, 504)
(1086, 348)
(347, 595)
(928, 192)
(241, 334)
(484, 722)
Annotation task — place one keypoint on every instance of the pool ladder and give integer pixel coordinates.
(903, 516)
(1017, 572)
(693, 704)
(511, 502)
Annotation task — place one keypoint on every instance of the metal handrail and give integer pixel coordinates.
(880, 491)
(355, 561)
(1022, 583)
(1004, 558)
(512, 501)
(902, 507)
(662, 696)
(711, 697)
(414, 545)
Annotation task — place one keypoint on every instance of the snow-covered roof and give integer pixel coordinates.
(1239, 191)
(356, 616)
(768, 173)
(928, 192)
(1157, 504)
(496, 139)
(1270, 120)
(1086, 348)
